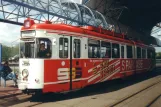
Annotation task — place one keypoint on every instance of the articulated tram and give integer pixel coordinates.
(78, 56)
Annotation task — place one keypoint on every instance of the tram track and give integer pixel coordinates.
(13, 99)
(153, 101)
(122, 100)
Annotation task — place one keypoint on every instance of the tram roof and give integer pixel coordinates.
(87, 31)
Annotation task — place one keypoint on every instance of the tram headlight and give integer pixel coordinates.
(25, 73)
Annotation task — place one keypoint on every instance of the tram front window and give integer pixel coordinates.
(27, 49)
(43, 48)
(40, 49)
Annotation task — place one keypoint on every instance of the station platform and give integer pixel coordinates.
(9, 90)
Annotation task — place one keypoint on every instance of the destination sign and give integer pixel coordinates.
(28, 33)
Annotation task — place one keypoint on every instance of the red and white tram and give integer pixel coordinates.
(79, 56)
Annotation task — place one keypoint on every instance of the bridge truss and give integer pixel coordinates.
(15, 11)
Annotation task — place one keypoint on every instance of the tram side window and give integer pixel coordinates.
(143, 53)
(151, 54)
(77, 48)
(63, 47)
(122, 51)
(115, 51)
(93, 48)
(129, 52)
(105, 49)
(138, 52)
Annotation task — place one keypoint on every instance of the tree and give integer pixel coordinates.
(8, 52)
(158, 55)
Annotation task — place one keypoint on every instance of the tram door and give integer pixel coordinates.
(76, 63)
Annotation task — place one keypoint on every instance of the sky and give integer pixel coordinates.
(9, 34)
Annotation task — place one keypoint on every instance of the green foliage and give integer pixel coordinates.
(158, 55)
(8, 52)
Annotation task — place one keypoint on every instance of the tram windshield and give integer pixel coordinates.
(35, 48)
(27, 49)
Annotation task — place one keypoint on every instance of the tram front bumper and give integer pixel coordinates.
(28, 90)
(22, 86)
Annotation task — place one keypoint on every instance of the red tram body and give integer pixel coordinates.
(98, 55)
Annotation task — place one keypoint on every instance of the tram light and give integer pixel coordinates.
(25, 73)
(37, 81)
(28, 23)
(48, 22)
